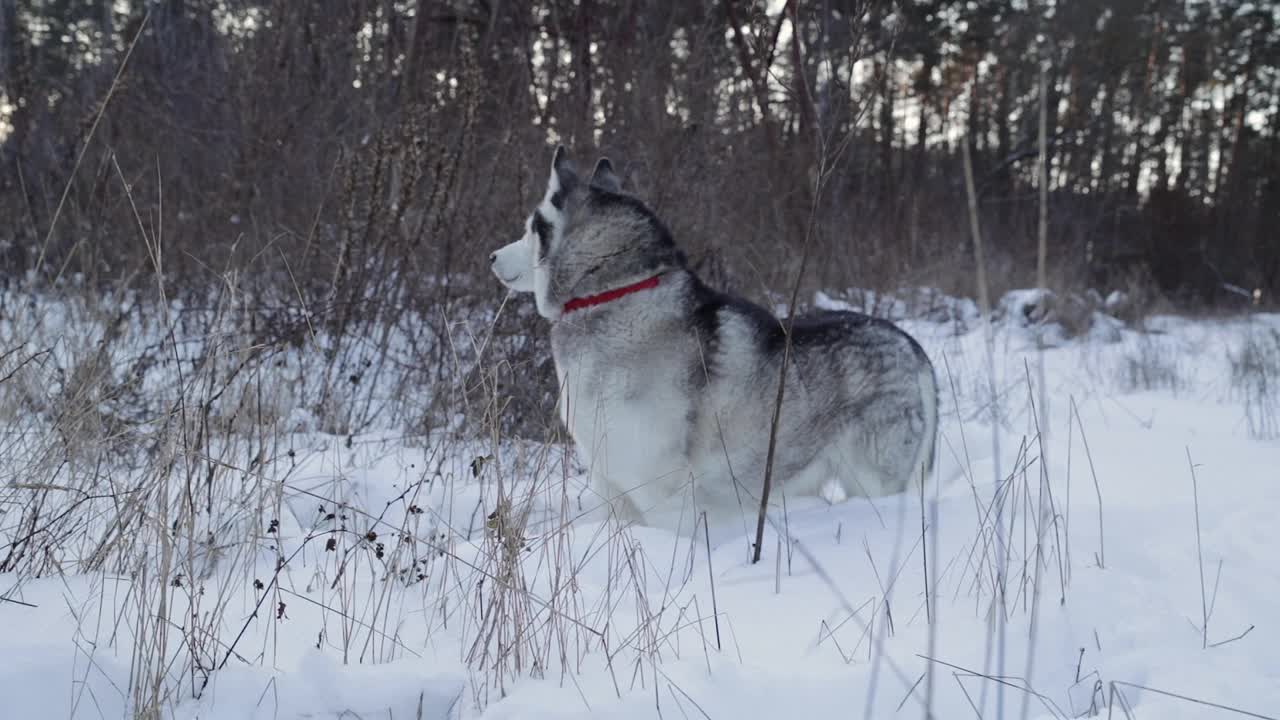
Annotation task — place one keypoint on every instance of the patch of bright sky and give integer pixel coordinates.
(6, 111)
(238, 22)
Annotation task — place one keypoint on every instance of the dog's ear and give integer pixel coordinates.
(604, 178)
(563, 176)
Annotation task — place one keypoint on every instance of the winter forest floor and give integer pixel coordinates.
(260, 564)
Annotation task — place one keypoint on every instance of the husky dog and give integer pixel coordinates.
(667, 385)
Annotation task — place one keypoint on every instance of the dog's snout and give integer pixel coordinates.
(511, 264)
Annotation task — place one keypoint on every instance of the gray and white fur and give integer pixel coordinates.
(671, 388)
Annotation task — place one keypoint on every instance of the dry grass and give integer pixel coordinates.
(1148, 364)
(157, 453)
(1255, 375)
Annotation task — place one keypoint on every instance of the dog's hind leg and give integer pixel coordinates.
(876, 464)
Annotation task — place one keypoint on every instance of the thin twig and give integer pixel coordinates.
(1102, 545)
(1184, 698)
(711, 576)
(924, 555)
(1204, 602)
(826, 162)
(93, 129)
(984, 304)
(1232, 639)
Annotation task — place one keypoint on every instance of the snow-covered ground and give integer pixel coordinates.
(409, 577)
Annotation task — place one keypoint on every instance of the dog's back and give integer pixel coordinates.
(859, 407)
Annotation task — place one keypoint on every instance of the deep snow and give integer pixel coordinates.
(623, 623)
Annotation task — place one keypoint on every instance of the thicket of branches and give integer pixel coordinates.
(362, 157)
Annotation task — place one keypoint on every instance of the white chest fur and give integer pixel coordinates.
(627, 417)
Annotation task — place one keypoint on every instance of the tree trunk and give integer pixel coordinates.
(1139, 107)
(15, 77)
(802, 91)
(583, 53)
(757, 78)
(416, 54)
(1102, 182)
(887, 131)
(1003, 138)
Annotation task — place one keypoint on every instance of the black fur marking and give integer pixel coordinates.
(705, 315)
(542, 229)
(557, 199)
(826, 328)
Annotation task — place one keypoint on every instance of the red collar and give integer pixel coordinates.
(610, 295)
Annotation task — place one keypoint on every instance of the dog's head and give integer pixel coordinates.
(583, 238)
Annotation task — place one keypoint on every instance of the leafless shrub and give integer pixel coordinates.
(1255, 375)
(1147, 364)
